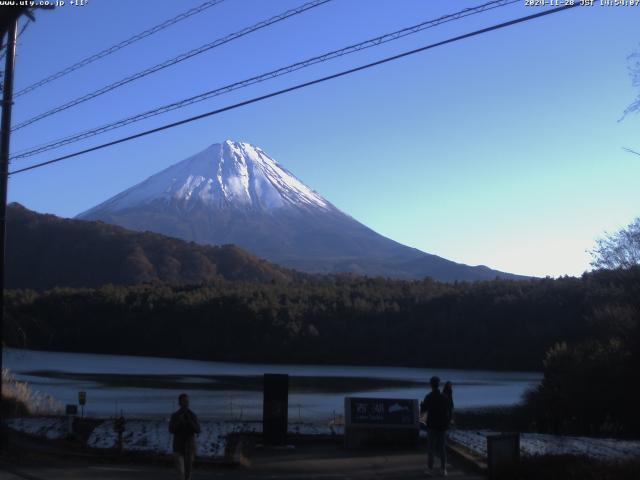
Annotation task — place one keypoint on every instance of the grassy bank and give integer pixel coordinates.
(19, 399)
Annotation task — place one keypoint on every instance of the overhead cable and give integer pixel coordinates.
(119, 46)
(172, 61)
(297, 87)
(263, 77)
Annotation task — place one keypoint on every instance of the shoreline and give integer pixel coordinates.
(293, 363)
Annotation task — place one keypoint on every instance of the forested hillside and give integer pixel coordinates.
(340, 319)
(45, 251)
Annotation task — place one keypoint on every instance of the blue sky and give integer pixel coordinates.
(503, 149)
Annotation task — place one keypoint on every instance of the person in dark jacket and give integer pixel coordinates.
(184, 426)
(436, 407)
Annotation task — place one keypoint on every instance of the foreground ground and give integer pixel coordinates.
(317, 462)
(310, 457)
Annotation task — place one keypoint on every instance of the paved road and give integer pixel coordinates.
(314, 463)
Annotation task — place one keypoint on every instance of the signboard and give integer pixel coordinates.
(82, 398)
(275, 408)
(381, 422)
(71, 409)
(381, 411)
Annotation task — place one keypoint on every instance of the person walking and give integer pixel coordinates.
(436, 408)
(184, 426)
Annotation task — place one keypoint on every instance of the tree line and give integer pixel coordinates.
(499, 324)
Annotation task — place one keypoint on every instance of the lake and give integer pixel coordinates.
(149, 386)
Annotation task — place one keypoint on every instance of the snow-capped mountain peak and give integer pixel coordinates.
(234, 193)
(231, 173)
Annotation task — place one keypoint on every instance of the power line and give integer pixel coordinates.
(125, 43)
(263, 77)
(24, 27)
(298, 87)
(168, 63)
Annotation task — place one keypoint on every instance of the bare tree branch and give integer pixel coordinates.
(634, 72)
(620, 249)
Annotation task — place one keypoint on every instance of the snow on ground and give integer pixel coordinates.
(146, 435)
(153, 436)
(540, 444)
(52, 428)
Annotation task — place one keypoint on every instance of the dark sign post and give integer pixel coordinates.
(275, 408)
(71, 410)
(381, 422)
(119, 427)
(503, 451)
(82, 400)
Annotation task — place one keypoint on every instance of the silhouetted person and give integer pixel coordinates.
(184, 426)
(436, 406)
(447, 391)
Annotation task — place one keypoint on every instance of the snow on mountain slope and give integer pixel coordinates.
(235, 193)
(230, 173)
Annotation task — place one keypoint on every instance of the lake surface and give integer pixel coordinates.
(149, 386)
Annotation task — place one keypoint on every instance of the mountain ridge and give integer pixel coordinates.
(234, 193)
(45, 251)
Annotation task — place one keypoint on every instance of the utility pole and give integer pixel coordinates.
(5, 135)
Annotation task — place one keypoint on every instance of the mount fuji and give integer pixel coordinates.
(233, 192)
